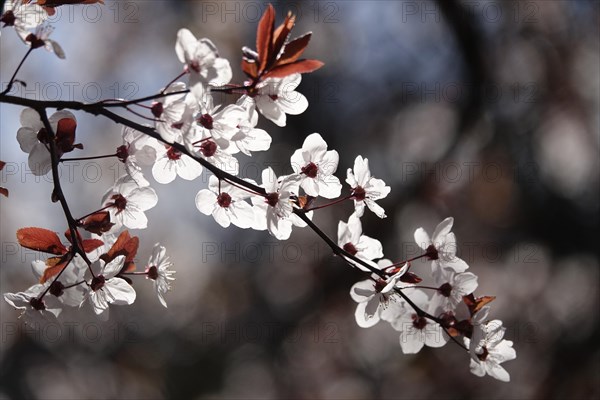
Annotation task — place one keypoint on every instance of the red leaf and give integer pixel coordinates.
(4, 191)
(91, 244)
(282, 32)
(65, 134)
(41, 240)
(250, 69)
(53, 266)
(264, 37)
(97, 223)
(294, 49)
(124, 246)
(300, 66)
(476, 304)
(2, 164)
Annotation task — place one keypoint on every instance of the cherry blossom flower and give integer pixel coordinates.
(33, 138)
(275, 211)
(276, 97)
(415, 330)
(248, 138)
(158, 270)
(452, 287)
(127, 202)
(441, 247)
(488, 350)
(41, 38)
(373, 295)
(169, 112)
(33, 310)
(137, 150)
(106, 288)
(170, 162)
(317, 165)
(219, 124)
(351, 239)
(202, 60)
(73, 273)
(225, 203)
(23, 17)
(201, 143)
(365, 188)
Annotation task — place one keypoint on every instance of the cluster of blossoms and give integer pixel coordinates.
(189, 135)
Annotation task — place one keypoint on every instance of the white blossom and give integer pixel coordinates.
(106, 288)
(365, 188)
(488, 350)
(441, 247)
(351, 239)
(202, 60)
(158, 270)
(276, 97)
(226, 203)
(316, 165)
(127, 203)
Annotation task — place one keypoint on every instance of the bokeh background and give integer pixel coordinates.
(487, 111)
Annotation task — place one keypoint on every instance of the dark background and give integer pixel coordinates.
(484, 111)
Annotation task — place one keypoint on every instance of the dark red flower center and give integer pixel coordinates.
(359, 193)
(157, 109)
(349, 247)
(35, 41)
(119, 202)
(123, 153)
(432, 252)
(272, 199)
(98, 283)
(152, 272)
(208, 148)
(57, 288)
(195, 65)
(8, 18)
(206, 121)
(445, 289)
(224, 200)
(419, 322)
(310, 170)
(37, 304)
(43, 136)
(173, 154)
(483, 356)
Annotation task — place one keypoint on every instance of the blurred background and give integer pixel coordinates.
(486, 111)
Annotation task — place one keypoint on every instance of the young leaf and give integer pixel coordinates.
(40, 239)
(264, 37)
(53, 266)
(294, 49)
(300, 67)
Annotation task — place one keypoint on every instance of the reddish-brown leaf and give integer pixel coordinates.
(294, 49)
(90, 245)
(476, 304)
(282, 32)
(409, 277)
(65, 134)
(264, 37)
(250, 69)
(300, 66)
(40, 239)
(2, 164)
(97, 223)
(4, 191)
(124, 246)
(53, 266)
